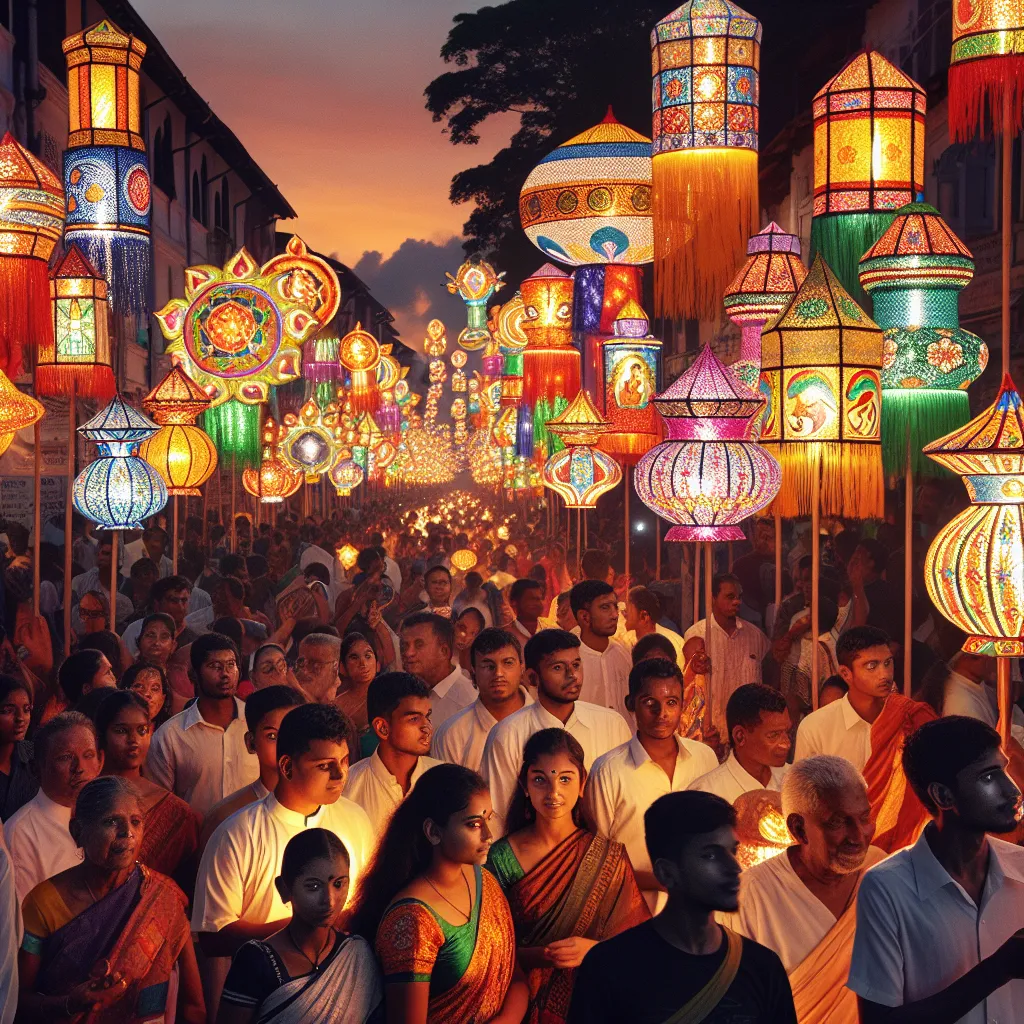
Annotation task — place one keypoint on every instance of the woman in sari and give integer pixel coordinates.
(171, 836)
(103, 938)
(443, 931)
(150, 683)
(568, 889)
(359, 664)
(308, 969)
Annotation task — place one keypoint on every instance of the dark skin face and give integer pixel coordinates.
(103, 556)
(422, 654)
(560, 675)
(835, 837)
(601, 616)
(530, 605)
(126, 743)
(984, 797)
(658, 707)
(92, 614)
(466, 837)
(218, 676)
(174, 604)
(764, 539)
(71, 761)
(15, 713)
(498, 674)
(156, 644)
(871, 672)
(705, 873)
(319, 774)
(768, 741)
(407, 729)
(112, 842)
(726, 602)
(319, 892)
(439, 588)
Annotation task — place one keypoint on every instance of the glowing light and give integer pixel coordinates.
(275, 480)
(348, 555)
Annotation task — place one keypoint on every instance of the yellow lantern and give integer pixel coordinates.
(347, 555)
(464, 559)
(17, 410)
(275, 480)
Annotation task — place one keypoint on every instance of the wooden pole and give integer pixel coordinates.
(174, 536)
(67, 521)
(778, 562)
(908, 572)
(707, 629)
(115, 536)
(657, 548)
(696, 583)
(38, 527)
(626, 484)
(579, 518)
(234, 529)
(1004, 694)
(815, 570)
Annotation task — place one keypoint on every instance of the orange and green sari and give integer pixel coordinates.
(583, 887)
(468, 967)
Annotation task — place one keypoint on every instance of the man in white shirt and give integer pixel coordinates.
(554, 667)
(843, 728)
(643, 610)
(526, 599)
(99, 579)
(625, 781)
(200, 753)
(606, 663)
(496, 660)
(152, 545)
(11, 913)
(37, 835)
(427, 643)
(736, 647)
(758, 721)
(937, 923)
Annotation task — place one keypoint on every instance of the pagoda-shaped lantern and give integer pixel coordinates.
(580, 473)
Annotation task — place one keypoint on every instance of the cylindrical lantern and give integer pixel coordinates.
(275, 480)
(709, 475)
(551, 365)
(234, 429)
(359, 354)
(914, 274)
(580, 473)
(868, 159)
(79, 354)
(475, 283)
(705, 60)
(821, 368)
(31, 221)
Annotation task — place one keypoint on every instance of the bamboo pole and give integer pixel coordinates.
(67, 521)
(657, 548)
(908, 572)
(707, 628)
(696, 583)
(579, 518)
(778, 561)
(115, 536)
(815, 570)
(174, 536)
(234, 507)
(626, 484)
(38, 516)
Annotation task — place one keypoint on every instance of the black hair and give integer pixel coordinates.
(545, 642)
(307, 846)
(260, 703)
(544, 743)
(231, 564)
(475, 611)
(653, 668)
(877, 552)
(78, 670)
(106, 642)
(209, 643)
(257, 564)
(168, 585)
(491, 640)
(158, 617)
(229, 626)
(9, 684)
(132, 672)
(675, 818)
(584, 593)
(441, 627)
(233, 585)
(473, 579)
(59, 723)
(720, 579)
(647, 601)
(747, 703)
(308, 722)
(839, 683)
(350, 639)
(144, 565)
(858, 639)
(438, 568)
(939, 750)
(518, 588)
(653, 642)
(318, 571)
(113, 703)
(389, 689)
(595, 564)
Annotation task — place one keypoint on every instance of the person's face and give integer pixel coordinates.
(499, 674)
(174, 604)
(422, 654)
(466, 629)
(150, 688)
(803, 583)
(407, 729)
(862, 562)
(632, 616)
(466, 837)
(144, 582)
(439, 588)
(726, 602)
(564, 616)
(360, 664)
(985, 797)
(764, 539)
(836, 836)
(91, 612)
(553, 786)
(263, 743)
(602, 615)
(103, 677)
(218, 676)
(530, 604)
(317, 666)
(71, 761)
(127, 740)
(658, 707)
(706, 873)
(871, 672)
(114, 841)
(319, 774)
(319, 892)
(270, 669)
(103, 556)
(15, 713)
(154, 547)
(560, 675)
(768, 741)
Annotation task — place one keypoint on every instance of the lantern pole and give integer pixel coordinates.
(626, 486)
(174, 537)
(908, 571)
(234, 527)
(815, 570)
(67, 521)
(657, 548)
(696, 582)
(115, 536)
(579, 518)
(1004, 692)
(707, 622)
(778, 561)
(37, 439)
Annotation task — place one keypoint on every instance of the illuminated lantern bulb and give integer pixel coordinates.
(346, 476)
(464, 559)
(475, 282)
(359, 354)
(348, 555)
(275, 480)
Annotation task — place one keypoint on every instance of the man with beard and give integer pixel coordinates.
(937, 923)
(802, 902)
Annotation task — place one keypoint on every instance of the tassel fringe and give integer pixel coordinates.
(550, 374)
(852, 481)
(123, 260)
(931, 414)
(234, 428)
(25, 316)
(842, 238)
(977, 91)
(91, 380)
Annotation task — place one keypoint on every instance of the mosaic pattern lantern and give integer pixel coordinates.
(760, 291)
(512, 340)
(360, 353)
(580, 473)
(709, 475)
(551, 365)
(31, 222)
(17, 411)
(821, 383)
(868, 159)
(346, 476)
(464, 559)
(705, 60)
(974, 569)
(475, 283)
(118, 490)
(310, 443)
(275, 480)
(914, 274)
(306, 279)
(79, 354)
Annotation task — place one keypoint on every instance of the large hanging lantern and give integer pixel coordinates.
(868, 159)
(474, 283)
(512, 341)
(914, 274)
(760, 291)
(821, 368)
(118, 490)
(974, 569)
(306, 279)
(17, 411)
(181, 453)
(310, 442)
(31, 221)
(551, 365)
(106, 172)
(360, 355)
(275, 480)
(78, 356)
(580, 473)
(709, 475)
(346, 476)
(705, 58)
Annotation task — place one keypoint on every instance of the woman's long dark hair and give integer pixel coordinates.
(405, 852)
(544, 744)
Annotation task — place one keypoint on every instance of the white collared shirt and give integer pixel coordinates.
(451, 695)
(835, 729)
(462, 738)
(597, 730)
(730, 780)
(39, 841)
(624, 782)
(11, 912)
(606, 677)
(918, 931)
(376, 790)
(963, 696)
(200, 762)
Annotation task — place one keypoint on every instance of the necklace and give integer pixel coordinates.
(469, 896)
(315, 964)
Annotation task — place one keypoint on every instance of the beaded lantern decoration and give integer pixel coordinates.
(79, 354)
(310, 441)
(275, 480)
(17, 411)
(118, 490)
(709, 475)
(31, 221)
(307, 279)
(181, 453)
(346, 476)
(705, 58)
(974, 569)
(914, 274)
(512, 340)
(580, 473)
(106, 170)
(359, 354)
(474, 283)
(868, 159)
(760, 291)
(820, 379)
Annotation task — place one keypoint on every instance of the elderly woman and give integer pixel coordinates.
(103, 937)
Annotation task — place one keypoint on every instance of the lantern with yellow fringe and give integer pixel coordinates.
(705, 58)
(275, 480)
(580, 473)
(359, 354)
(475, 282)
(821, 364)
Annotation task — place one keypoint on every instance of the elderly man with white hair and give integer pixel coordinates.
(802, 903)
(316, 667)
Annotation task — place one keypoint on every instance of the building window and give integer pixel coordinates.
(205, 218)
(163, 158)
(197, 197)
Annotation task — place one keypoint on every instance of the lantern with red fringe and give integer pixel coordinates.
(359, 354)
(580, 473)
(31, 221)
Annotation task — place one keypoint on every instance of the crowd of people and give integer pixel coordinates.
(261, 787)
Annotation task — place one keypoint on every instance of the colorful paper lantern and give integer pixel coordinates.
(78, 356)
(310, 443)
(705, 58)
(346, 477)
(17, 411)
(119, 489)
(914, 274)
(821, 382)
(512, 341)
(580, 473)
(181, 453)
(320, 360)
(974, 569)
(551, 365)
(475, 283)
(868, 159)
(709, 475)
(760, 291)
(31, 221)
(359, 354)
(275, 480)
(464, 559)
